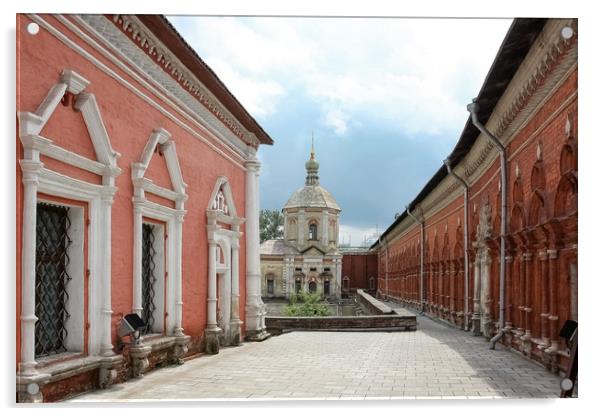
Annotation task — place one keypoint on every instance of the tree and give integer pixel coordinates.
(271, 225)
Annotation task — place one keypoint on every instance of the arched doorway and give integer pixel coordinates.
(313, 287)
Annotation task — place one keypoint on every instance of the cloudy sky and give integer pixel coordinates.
(385, 98)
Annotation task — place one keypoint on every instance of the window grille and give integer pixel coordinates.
(148, 277)
(52, 279)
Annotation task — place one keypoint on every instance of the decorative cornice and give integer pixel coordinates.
(153, 48)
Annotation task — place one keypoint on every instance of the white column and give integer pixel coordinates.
(235, 280)
(106, 346)
(178, 329)
(137, 262)
(28, 318)
(212, 289)
(325, 228)
(254, 321)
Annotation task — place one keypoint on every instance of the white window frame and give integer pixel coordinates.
(39, 179)
(173, 219)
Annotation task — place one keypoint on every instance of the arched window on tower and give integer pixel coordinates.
(313, 231)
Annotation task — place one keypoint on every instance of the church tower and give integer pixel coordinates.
(309, 252)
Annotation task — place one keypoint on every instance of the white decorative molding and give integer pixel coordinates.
(220, 138)
(37, 178)
(221, 199)
(222, 210)
(160, 139)
(125, 50)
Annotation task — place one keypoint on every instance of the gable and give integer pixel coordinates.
(313, 251)
(160, 142)
(70, 90)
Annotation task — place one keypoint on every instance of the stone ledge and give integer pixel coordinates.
(374, 305)
(278, 324)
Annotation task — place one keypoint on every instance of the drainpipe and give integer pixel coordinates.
(466, 277)
(473, 108)
(386, 269)
(421, 257)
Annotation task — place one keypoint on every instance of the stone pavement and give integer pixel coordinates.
(435, 361)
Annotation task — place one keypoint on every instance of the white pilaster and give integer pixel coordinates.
(212, 288)
(235, 281)
(137, 262)
(254, 309)
(178, 330)
(30, 169)
(106, 346)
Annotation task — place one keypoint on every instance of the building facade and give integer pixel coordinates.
(447, 254)
(307, 258)
(137, 192)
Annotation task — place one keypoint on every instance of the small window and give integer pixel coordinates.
(271, 286)
(326, 269)
(297, 269)
(312, 269)
(313, 231)
(371, 282)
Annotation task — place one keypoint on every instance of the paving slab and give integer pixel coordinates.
(435, 361)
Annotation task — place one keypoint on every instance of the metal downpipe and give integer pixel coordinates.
(466, 267)
(422, 308)
(473, 108)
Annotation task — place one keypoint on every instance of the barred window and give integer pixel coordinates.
(52, 280)
(149, 279)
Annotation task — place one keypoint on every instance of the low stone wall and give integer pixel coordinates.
(276, 325)
(373, 305)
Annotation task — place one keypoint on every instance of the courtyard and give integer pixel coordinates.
(436, 361)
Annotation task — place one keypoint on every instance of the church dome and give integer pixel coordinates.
(312, 195)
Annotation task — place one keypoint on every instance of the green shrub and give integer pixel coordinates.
(307, 304)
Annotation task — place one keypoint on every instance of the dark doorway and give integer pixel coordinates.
(312, 287)
(326, 287)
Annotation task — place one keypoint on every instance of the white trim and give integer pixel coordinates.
(37, 178)
(172, 217)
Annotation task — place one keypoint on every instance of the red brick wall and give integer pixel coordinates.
(542, 220)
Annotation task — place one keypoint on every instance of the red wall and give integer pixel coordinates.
(359, 268)
(129, 122)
